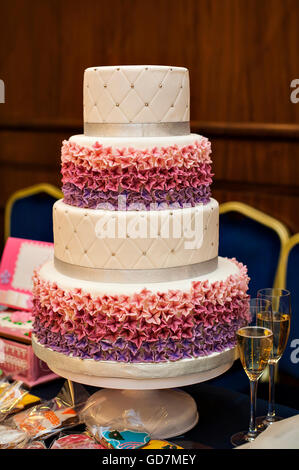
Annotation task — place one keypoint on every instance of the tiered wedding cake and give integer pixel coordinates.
(136, 288)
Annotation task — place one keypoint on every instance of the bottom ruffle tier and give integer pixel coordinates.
(131, 323)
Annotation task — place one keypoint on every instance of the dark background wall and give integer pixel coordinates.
(242, 56)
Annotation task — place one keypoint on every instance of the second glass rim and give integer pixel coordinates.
(251, 327)
(270, 292)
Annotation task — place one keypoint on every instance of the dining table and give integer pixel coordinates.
(222, 412)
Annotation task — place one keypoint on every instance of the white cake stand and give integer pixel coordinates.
(140, 393)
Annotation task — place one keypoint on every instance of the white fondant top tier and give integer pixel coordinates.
(136, 94)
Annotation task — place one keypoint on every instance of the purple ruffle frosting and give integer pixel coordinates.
(92, 199)
(210, 339)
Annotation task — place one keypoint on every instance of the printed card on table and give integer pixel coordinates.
(19, 260)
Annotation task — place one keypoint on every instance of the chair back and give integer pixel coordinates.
(254, 238)
(288, 277)
(28, 213)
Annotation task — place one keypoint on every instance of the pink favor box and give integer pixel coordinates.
(19, 360)
(19, 260)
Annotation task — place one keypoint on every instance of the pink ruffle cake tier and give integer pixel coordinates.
(95, 176)
(150, 325)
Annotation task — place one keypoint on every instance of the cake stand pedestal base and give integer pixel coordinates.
(163, 413)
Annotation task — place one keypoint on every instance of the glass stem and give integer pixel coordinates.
(271, 405)
(252, 433)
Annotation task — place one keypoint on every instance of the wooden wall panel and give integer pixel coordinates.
(258, 162)
(242, 56)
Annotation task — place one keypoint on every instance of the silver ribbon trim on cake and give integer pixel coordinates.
(138, 276)
(131, 129)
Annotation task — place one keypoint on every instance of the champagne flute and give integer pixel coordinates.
(255, 346)
(278, 319)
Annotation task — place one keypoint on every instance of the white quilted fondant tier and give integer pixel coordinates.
(139, 143)
(135, 239)
(136, 94)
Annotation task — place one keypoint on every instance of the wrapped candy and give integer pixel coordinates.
(76, 441)
(11, 438)
(11, 395)
(26, 402)
(50, 417)
(14, 398)
(36, 445)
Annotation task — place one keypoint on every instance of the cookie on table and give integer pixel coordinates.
(125, 439)
(157, 444)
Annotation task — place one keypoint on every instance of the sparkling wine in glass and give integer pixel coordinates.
(255, 346)
(277, 319)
